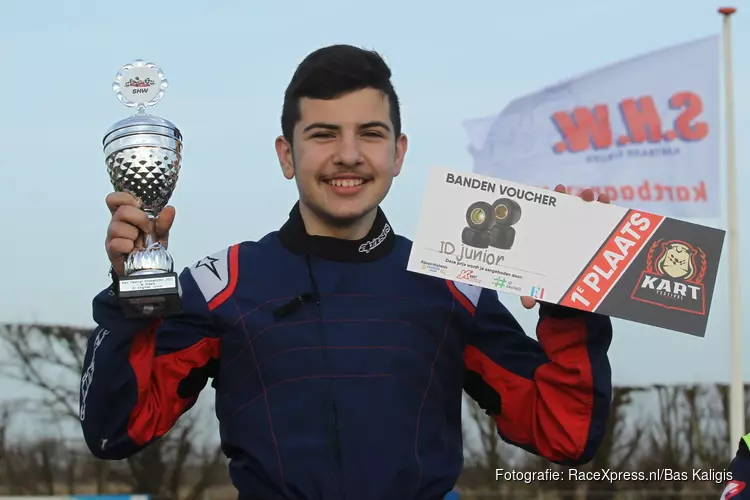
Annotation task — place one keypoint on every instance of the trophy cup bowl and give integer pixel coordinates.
(143, 154)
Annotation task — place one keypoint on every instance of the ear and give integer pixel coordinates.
(402, 144)
(284, 153)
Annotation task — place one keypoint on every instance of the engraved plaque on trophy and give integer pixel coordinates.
(143, 154)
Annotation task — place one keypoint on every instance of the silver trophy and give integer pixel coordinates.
(143, 155)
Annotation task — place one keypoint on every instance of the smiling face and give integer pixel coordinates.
(344, 156)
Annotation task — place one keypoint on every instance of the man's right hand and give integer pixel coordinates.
(127, 226)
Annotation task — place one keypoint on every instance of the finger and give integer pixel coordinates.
(164, 222)
(117, 248)
(133, 216)
(604, 198)
(560, 189)
(119, 229)
(528, 302)
(118, 266)
(118, 199)
(140, 241)
(587, 195)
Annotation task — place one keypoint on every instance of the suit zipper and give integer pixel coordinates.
(326, 363)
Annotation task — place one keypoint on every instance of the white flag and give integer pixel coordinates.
(645, 131)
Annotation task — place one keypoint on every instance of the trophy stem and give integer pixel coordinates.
(149, 241)
(151, 257)
(149, 238)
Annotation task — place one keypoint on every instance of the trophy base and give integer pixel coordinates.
(149, 295)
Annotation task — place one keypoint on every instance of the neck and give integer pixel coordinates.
(315, 226)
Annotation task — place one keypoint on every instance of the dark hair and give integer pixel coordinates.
(333, 71)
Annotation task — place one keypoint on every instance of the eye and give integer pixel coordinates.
(372, 133)
(322, 135)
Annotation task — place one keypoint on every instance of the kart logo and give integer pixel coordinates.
(732, 489)
(673, 277)
(468, 275)
(138, 83)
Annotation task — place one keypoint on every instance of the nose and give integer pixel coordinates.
(348, 154)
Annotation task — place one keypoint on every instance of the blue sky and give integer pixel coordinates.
(228, 64)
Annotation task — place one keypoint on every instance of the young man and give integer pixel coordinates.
(339, 374)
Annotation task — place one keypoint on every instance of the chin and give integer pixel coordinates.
(347, 216)
(347, 213)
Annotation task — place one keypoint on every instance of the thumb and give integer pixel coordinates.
(164, 223)
(528, 302)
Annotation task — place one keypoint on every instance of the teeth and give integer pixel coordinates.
(345, 182)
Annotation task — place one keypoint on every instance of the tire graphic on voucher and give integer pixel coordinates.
(491, 225)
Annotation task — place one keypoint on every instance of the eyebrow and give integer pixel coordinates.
(330, 126)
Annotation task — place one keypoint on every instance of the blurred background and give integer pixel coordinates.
(228, 63)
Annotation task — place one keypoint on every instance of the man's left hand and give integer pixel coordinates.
(587, 195)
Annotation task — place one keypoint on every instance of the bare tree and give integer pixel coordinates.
(622, 439)
(664, 432)
(623, 436)
(485, 452)
(49, 359)
(31, 466)
(665, 447)
(720, 413)
(9, 474)
(706, 426)
(688, 434)
(174, 467)
(490, 451)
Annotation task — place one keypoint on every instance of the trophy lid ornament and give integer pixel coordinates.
(140, 85)
(143, 151)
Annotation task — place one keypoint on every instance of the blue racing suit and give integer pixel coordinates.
(338, 374)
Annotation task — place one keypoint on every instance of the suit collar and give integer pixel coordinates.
(378, 242)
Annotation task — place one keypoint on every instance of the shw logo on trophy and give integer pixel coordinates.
(673, 277)
(140, 86)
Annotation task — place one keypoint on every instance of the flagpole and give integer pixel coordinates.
(736, 383)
